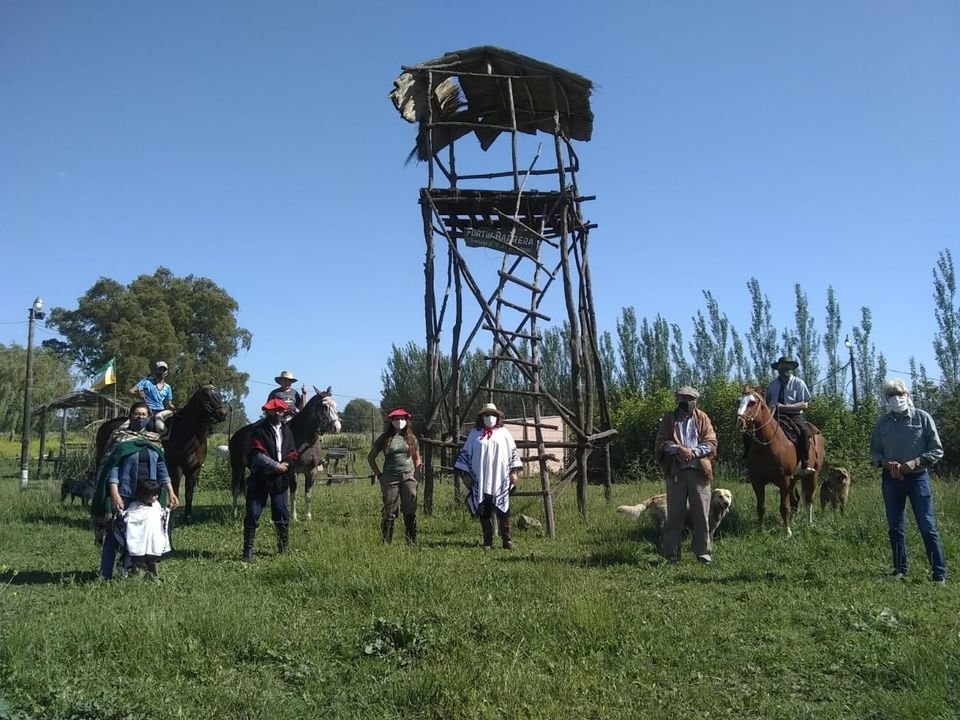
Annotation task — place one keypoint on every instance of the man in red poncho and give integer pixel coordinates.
(270, 457)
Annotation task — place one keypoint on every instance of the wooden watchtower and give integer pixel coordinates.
(527, 217)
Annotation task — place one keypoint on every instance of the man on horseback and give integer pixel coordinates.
(294, 400)
(788, 396)
(157, 394)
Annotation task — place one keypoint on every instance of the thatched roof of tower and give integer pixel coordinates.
(474, 86)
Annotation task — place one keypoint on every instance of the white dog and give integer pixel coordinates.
(721, 500)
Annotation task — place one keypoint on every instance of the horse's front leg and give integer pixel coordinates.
(175, 475)
(309, 478)
(293, 498)
(760, 490)
(786, 509)
(191, 477)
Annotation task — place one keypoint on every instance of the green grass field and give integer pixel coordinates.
(591, 625)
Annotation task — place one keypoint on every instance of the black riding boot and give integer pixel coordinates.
(486, 524)
(386, 531)
(505, 526)
(248, 537)
(410, 528)
(283, 538)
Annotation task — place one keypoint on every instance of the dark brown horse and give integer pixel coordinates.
(773, 458)
(319, 416)
(185, 444)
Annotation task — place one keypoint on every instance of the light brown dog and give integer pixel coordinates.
(835, 489)
(655, 508)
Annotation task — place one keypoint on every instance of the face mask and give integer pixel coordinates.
(398, 424)
(489, 421)
(897, 403)
(138, 423)
(686, 406)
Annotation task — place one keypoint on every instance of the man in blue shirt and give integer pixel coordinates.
(788, 396)
(156, 393)
(904, 444)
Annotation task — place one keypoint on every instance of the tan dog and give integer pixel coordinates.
(835, 489)
(721, 500)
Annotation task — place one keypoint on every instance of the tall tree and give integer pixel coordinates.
(629, 345)
(808, 341)
(946, 343)
(836, 380)
(866, 355)
(710, 347)
(361, 416)
(683, 372)
(608, 363)
(51, 379)
(788, 342)
(762, 336)
(189, 322)
(405, 380)
(655, 354)
(555, 362)
(740, 363)
(924, 391)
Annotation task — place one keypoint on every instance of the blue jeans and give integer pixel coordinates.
(895, 494)
(257, 494)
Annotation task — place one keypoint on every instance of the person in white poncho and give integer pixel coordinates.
(146, 529)
(488, 464)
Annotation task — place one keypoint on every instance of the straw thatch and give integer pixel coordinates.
(471, 93)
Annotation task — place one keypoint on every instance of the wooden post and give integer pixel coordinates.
(43, 442)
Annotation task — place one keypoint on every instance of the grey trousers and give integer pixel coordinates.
(688, 485)
(399, 492)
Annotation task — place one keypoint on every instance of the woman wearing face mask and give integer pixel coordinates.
(904, 444)
(132, 456)
(489, 465)
(398, 480)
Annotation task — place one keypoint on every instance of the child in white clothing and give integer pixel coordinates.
(147, 529)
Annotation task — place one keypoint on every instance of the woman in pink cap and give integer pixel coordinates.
(398, 480)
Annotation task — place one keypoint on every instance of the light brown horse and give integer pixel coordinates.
(773, 458)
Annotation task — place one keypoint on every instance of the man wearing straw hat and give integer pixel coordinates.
(489, 465)
(788, 396)
(293, 399)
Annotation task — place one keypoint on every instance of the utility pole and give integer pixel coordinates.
(35, 312)
(853, 372)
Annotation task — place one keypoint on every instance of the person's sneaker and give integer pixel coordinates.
(899, 575)
(705, 559)
(940, 581)
(508, 544)
(488, 547)
(806, 472)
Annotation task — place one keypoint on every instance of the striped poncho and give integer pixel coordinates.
(488, 457)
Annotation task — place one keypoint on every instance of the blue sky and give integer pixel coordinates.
(809, 142)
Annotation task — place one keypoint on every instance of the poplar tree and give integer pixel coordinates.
(946, 343)
(835, 381)
(762, 336)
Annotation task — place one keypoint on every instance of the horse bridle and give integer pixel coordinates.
(752, 428)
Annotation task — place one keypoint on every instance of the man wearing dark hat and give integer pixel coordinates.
(294, 400)
(685, 445)
(788, 396)
(270, 457)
